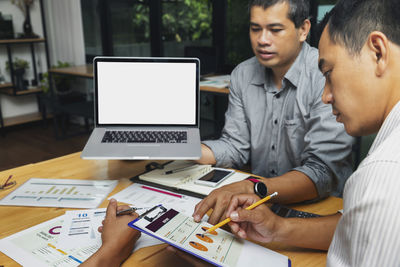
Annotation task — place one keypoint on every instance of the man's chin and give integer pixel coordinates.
(270, 63)
(351, 130)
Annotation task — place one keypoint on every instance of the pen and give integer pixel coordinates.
(252, 206)
(126, 211)
(180, 169)
(161, 191)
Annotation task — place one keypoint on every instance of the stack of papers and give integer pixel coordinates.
(220, 81)
(54, 242)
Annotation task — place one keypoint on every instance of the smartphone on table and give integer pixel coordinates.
(214, 177)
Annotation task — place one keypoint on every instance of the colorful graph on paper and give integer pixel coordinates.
(66, 193)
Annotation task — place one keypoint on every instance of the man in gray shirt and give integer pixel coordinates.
(276, 119)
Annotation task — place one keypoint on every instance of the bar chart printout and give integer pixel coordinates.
(66, 193)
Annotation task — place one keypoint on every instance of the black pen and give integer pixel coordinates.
(126, 211)
(180, 169)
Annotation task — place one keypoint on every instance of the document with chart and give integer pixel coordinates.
(63, 193)
(39, 246)
(218, 247)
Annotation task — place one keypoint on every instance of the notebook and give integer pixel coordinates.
(145, 108)
(185, 180)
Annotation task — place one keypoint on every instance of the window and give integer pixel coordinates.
(185, 24)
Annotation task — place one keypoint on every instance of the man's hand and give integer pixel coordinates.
(219, 200)
(118, 239)
(259, 224)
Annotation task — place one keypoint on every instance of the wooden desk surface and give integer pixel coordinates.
(15, 219)
(86, 71)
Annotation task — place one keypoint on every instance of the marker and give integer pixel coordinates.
(252, 206)
(161, 191)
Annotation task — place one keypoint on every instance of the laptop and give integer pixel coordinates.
(145, 108)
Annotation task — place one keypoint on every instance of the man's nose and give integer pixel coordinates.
(264, 38)
(327, 96)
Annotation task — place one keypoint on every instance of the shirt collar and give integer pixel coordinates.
(391, 122)
(293, 74)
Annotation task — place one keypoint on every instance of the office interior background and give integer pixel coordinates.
(44, 116)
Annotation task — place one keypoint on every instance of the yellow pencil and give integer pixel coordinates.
(252, 206)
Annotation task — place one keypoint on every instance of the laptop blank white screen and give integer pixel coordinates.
(147, 93)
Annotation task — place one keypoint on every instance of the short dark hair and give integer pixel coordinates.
(299, 10)
(351, 21)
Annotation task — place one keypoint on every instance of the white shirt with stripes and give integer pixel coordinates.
(368, 233)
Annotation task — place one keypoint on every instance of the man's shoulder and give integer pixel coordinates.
(307, 63)
(250, 64)
(247, 72)
(311, 58)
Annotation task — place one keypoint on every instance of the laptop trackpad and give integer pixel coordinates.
(142, 150)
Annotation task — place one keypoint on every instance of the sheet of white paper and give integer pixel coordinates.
(39, 246)
(80, 227)
(63, 193)
(147, 196)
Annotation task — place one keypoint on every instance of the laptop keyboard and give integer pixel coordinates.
(145, 137)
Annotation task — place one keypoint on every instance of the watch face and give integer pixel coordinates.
(260, 189)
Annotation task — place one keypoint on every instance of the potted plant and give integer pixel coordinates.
(62, 82)
(19, 67)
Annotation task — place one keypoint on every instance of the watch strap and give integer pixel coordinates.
(252, 179)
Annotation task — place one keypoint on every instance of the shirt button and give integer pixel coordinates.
(273, 147)
(275, 121)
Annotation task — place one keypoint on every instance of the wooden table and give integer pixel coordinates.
(15, 219)
(86, 71)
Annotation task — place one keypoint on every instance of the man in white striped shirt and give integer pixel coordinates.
(360, 58)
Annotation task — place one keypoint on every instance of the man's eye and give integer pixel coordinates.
(255, 29)
(327, 73)
(276, 30)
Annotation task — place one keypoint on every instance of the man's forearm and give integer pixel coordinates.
(103, 257)
(207, 156)
(293, 186)
(315, 233)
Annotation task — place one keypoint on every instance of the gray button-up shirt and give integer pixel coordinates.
(284, 130)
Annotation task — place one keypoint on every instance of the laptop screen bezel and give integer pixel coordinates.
(96, 60)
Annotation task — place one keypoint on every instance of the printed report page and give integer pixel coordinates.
(218, 247)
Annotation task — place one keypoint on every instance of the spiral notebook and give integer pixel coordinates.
(184, 180)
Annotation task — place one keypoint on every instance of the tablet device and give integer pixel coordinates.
(219, 247)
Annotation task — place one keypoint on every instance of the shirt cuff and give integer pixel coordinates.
(220, 153)
(319, 177)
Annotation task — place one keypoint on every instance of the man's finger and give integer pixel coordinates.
(203, 207)
(111, 209)
(218, 212)
(243, 215)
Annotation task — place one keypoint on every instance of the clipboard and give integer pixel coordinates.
(219, 248)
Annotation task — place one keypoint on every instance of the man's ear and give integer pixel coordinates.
(379, 45)
(304, 29)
